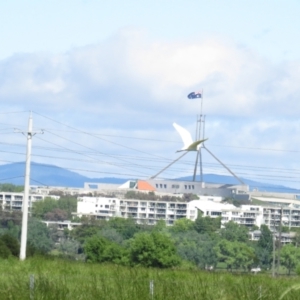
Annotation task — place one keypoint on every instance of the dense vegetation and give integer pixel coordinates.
(120, 241)
(52, 279)
(8, 187)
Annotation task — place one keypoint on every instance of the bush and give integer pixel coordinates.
(4, 251)
(11, 243)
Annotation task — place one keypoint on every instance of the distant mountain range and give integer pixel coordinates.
(51, 175)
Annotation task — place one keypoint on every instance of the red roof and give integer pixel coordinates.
(144, 186)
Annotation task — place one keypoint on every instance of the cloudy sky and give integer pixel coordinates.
(106, 80)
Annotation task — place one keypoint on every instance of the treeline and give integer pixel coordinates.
(8, 187)
(55, 210)
(202, 243)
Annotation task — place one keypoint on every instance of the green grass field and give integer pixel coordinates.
(61, 279)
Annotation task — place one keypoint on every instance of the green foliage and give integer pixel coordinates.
(67, 204)
(236, 254)
(160, 226)
(4, 250)
(112, 235)
(55, 210)
(62, 279)
(207, 224)
(289, 257)
(189, 197)
(125, 227)
(153, 250)
(11, 243)
(196, 248)
(40, 208)
(266, 238)
(235, 202)
(56, 215)
(98, 249)
(8, 187)
(264, 247)
(234, 232)
(81, 233)
(182, 225)
(10, 217)
(38, 236)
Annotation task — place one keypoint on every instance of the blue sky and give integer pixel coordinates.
(121, 70)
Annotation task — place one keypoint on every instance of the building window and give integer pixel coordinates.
(93, 186)
(165, 186)
(160, 185)
(185, 186)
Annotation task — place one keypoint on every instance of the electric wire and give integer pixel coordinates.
(147, 153)
(112, 164)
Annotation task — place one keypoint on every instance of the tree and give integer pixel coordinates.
(40, 208)
(182, 225)
(264, 247)
(126, 227)
(68, 204)
(4, 251)
(56, 215)
(38, 235)
(289, 257)
(98, 249)
(196, 248)
(112, 235)
(235, 254)
(11, 243)
(234, 232)
(153, 249)
(81, 233)
(207, 224)
(8, 187)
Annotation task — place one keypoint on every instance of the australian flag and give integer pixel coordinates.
(194, 95)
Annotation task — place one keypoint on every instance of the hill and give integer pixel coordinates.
(51, 175)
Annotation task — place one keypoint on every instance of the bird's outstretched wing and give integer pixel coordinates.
(195, 146)
(185, 136)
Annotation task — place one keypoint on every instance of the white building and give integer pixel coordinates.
(150, 211)
(14, 201)
(143, 211)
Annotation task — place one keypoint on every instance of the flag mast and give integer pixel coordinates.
(198, 137)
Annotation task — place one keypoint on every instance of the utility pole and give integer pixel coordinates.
(29, 134)
(274, 248)
(279, 241)
(274, 244)
(26, 192)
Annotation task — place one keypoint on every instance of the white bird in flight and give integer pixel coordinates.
(186, 137)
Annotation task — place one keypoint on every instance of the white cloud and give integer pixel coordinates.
(133, 86)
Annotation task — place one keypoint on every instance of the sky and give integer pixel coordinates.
(105, 80)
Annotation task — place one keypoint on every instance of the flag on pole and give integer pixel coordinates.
(194, 95)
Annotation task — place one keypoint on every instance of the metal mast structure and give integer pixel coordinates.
(200, 133)
(199, 136)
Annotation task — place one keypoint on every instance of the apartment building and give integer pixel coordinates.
(149, 212)
(143, 211)
(14, 201)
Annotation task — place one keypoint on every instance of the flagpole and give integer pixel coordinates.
(200, 156)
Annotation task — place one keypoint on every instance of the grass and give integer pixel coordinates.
(60, 279)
